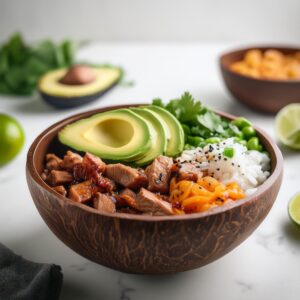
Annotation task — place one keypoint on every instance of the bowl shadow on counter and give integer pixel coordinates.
(34, 105)
(37, 106)
(292, 231)
(288, 152)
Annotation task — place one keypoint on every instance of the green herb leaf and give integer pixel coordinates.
(211, 121)
(185, 109)
(158, 102)
(68, 50)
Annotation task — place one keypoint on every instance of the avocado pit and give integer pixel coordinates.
(79, 75)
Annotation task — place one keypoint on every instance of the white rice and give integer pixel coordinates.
(249, 168)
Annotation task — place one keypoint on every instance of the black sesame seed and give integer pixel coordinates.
(232, 164)
(218, 169)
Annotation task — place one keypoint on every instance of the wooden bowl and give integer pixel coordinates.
(263, 95)
(145, 244)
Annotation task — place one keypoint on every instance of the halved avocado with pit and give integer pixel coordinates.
(62, 94)
(113, 135)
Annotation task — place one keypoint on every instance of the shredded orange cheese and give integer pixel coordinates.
(188, 196)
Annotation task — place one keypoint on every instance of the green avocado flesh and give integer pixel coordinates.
(135, 135)
(50, 84)
(175, 134)
(115, 135)
(159, 142)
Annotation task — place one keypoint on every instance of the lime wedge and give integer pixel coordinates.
(287, 125)
(294, 209)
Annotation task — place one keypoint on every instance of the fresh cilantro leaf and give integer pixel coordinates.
(68, 49)
(4, 63)
(158, 102)
(211, 121)
(16, 49)
(185, 109)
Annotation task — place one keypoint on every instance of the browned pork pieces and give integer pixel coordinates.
(159, 173)
(90, 167)
(126, 176)
(93, 163)
(60, 189)
(83, 192)
(57, 177)
(147, 202)
(53, 162)
(189, 171)
(70, 160)
(128, 197)
(104, 203)
(152, 204)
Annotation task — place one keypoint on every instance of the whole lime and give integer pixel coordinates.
(11, 138)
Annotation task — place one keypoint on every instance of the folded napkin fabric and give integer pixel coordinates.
(21, 279)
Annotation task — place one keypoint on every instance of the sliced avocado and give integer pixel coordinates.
(159, 144)
(114, 135)
(61, 95)
(172, 126)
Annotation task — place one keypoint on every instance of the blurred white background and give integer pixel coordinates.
(145, 20)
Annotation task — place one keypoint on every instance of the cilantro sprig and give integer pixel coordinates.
(21, 64)
(200, 124)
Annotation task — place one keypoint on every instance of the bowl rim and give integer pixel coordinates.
(259, 46)
(31, 169)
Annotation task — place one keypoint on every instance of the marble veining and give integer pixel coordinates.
(245, 287)
(271, 242)
(125, 290)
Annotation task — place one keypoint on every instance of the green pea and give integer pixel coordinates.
(194, 140)
(188, 147)
(260, 148)
(243, 142)
(249, 132)
(241, 122)
(229, 152)
(202, 144)
(240, 135)
(253, 144)
(213, 140)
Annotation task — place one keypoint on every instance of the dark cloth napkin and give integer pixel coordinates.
(23, 279)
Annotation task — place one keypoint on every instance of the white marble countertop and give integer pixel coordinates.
(265, 266)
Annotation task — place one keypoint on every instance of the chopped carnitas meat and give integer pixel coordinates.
(82, 192)
(159, 173)
(104, 203)
(126, 176)
(60, 189)
(57, 177)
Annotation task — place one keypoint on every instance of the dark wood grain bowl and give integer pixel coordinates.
(263, 95)
(145, 244)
